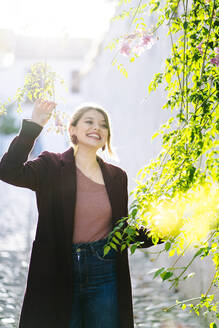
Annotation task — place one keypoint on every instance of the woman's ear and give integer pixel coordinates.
(71, 130)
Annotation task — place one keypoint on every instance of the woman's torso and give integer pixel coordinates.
(93, 213)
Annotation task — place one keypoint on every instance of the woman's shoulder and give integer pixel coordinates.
(115, 169)
(50, 157)
(59, 158)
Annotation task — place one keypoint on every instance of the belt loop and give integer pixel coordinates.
(92, 249)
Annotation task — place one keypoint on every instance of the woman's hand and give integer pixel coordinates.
(42, 111)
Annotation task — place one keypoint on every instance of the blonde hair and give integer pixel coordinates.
(80, 111)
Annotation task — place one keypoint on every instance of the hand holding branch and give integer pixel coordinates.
(42, 111)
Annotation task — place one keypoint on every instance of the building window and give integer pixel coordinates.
(75, 81)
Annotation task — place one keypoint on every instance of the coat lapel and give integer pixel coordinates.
(68, 190)
(109, 177)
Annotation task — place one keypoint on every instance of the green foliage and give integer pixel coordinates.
(189, 156)
(121, 68)
(40, 82)
(8, 123)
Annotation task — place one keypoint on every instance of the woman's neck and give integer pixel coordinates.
(86, 159)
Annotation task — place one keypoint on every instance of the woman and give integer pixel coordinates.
(80, 197)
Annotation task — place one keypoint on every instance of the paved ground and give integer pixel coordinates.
(17, 225)
(151, 296)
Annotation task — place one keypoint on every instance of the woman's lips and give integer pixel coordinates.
(94, 135)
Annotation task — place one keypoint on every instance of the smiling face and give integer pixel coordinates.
(91, 130)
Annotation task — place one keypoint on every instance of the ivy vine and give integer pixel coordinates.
(176, 196)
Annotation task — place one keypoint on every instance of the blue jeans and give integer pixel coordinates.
(94, 297)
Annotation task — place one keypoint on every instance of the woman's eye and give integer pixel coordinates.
(102, 125)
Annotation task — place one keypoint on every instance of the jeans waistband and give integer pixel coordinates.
(89, 245)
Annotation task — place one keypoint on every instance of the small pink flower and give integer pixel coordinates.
(217, 50)
(125, 49)
(131, 36)
(147, 41)
(215, 60)
(137, 42)
(199, 47)
(58, 121)
(138, 50)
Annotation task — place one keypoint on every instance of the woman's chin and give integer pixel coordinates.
(91, 146)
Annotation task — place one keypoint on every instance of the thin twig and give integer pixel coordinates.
(211, 284)
(182, 254)
(136, 11)
(206, 47)
(182, 302)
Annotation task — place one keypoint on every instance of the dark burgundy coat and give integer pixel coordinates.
(48, 296)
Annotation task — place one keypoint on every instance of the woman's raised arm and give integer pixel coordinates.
(14, 167)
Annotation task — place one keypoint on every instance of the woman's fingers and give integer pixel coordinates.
(43, 110)
(47, 105)
(47, 102)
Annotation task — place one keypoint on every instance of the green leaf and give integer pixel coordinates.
(167, 245)
(106, 250)
(118, 235)
(113, 246)
(158, 272)
(166, 275)
(155, 239)
(133, 248)
(185, 25)
(200, 251)
(115, 240)
(183, 306)
(213, 325)
(134, 212)
(123, 247)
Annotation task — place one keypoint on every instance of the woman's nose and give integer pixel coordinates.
(96, 127)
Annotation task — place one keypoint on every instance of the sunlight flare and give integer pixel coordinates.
(191, 215)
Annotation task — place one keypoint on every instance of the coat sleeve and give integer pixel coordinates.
(14, 167)
(143, 237)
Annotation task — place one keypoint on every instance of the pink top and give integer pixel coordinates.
(93, 214)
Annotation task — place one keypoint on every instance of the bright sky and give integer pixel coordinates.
(74, 18)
